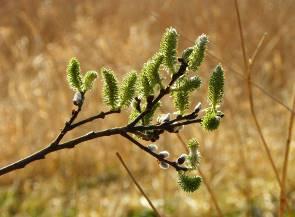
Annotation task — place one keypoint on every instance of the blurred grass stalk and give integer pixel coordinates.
(248, 64)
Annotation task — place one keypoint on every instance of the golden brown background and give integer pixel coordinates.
(37, 38)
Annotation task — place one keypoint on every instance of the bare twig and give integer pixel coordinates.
(101, 115)
(137, 184)
(206, 182)
(247, 69)
(283, 202)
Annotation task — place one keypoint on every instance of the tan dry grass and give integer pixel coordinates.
(37, 38)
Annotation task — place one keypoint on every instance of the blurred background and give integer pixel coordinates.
(37, 39)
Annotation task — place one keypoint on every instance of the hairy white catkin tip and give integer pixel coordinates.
(164, 154)
(153, 147)
(163, 118)
(203, 38)
(163, 165)
(198, 107)
(181, 159)
(78, 99)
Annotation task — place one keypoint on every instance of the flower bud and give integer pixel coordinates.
(181, 159)
(163, 165)
(164, 154)
(153, 147)
(78, 99)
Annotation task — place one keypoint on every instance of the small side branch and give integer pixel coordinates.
(157, 156)
(101, 115)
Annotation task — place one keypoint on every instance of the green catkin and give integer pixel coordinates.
(181, 101)
(194, 154)
(88, 80)
(73, 75)
(127, 89)
(151, 70)
(186, 54)
(189, 183)
(168, 48)
(144, 86)
(190, 84)
(110, 88)
(210, 120)
(216, 86)
(197, 55)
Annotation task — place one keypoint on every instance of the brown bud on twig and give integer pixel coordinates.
(181, 159)
(163, 165)
(164, 154)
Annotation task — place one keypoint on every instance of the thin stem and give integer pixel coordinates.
(67, 126)
(241, 34)
(283, 202)
(137, 184)
(101, 115)
(206, 182)
(146, 149)
(250, 94)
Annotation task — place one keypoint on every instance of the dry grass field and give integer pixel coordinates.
(37, 39)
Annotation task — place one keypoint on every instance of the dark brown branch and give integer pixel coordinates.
(101, 115)
(67, 126)
(146, 149)
(52, 147)
(41, 154)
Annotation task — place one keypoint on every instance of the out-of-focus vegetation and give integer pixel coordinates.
(37, 38)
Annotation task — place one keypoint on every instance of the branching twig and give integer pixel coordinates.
(55, 146)
(137, 184)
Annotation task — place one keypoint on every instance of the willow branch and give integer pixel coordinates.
(101, 115)
(56, 145)
(157, 156)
